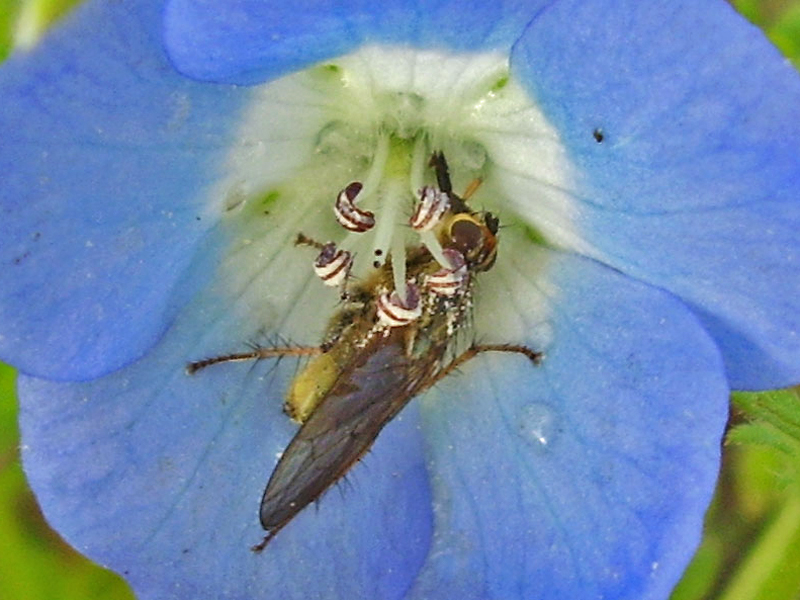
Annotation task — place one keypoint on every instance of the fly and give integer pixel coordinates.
(383, 347)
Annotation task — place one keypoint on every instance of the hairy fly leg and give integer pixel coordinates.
(475, 349)
(256, 353)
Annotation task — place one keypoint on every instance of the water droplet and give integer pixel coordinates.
(537, 425)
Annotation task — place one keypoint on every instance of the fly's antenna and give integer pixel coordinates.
(439, 164)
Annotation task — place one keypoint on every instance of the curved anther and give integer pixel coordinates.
(333, 265)
(447, 282)
(393, 312)
(348, 214)
(432, 205)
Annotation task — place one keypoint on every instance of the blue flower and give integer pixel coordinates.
(644, 158)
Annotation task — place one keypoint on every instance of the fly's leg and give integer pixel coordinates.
(258, 548)
(471, 188)
(475, 349)
(255, 354)
(265, 352)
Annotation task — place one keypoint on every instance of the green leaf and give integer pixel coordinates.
(779, 408)
(786, 33)
(780, 20)
(8, 17)
(35, 563)
(772, 420)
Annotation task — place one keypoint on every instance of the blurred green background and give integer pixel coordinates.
(751, 546)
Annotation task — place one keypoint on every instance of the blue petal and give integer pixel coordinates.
(159, 475)
(694, 185)
(107, 157)
(249, 41)
(585, 477)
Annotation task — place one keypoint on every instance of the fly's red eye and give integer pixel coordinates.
(475, 239)
(466, 235)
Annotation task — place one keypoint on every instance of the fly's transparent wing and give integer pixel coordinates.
(367, 395)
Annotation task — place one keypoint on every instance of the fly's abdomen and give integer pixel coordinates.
(310, 386)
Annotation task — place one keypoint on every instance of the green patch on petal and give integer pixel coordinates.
(534, 236)
(500, 83)
(270, 198)
(330, 69)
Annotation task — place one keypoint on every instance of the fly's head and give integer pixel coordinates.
(474, 236)
(455, 226)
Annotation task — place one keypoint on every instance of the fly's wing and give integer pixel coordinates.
(341, 429)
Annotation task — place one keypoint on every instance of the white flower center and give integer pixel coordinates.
(374, 117)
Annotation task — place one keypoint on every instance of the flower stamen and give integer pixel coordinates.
(391, 197)
(434, 247)
(333, 265)
(430, 209)
(348, 214)
(376, 169)
(419, 158)
(447, 281)
(399, 264)
(394, 312)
